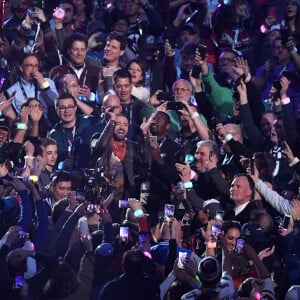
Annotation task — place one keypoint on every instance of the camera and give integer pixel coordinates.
(174, 105)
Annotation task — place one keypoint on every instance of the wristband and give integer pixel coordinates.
(285, 101)
(294, 162)
(294, 50)
(188, 185)
(248, 78)
(211, 245)
(45, 85)
(138, 213)
(21, 126)
(228, 137)
(195, 115)
(25, 26)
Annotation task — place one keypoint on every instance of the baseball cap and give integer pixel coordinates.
(209, 269)
(4, 123)
(105, 249)
(211, 206)
(253, 231)
(191, 27)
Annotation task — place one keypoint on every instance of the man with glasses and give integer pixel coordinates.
(32, 84)
(67, 132)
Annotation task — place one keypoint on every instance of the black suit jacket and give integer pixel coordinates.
(244, 216)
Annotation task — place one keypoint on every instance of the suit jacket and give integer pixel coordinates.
(244, 216)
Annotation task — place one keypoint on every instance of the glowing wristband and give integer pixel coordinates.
(148, 254)
(211, 245)
(138, 213)
(188, 185)
(195, 115)
(21, 126)
(45, 85)
(228, 137)
(285, 101)
(294, 50)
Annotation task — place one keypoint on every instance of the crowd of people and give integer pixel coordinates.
(149, 149)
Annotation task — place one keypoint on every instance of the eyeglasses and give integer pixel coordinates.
(177, 90)
(33, 106)
(31, 66)
(65, 108)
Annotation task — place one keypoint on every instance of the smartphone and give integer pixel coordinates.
(164, 96)
(216, 229)
(169, 211)
(239, 80)
(210, 155)
(251, 165)
(19, 281)
(13, 94)
(123, 234)
(189, 158)
(182, 257)
(153, 141)
(202, 50)
(286, 222)
(123, 203)
(173, 105)
(219, 215)
(143, 238)
(239, 246)
(272, 12)
(196, 71)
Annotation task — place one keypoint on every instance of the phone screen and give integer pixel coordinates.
(216, 229)
(124, 234)
(169, 211)
(153, 141)
(219, 215)
(286, 222)
(272, 11)
(123, 203)
(239, 246)
(143, 238)
(182, 256)
(19, 281)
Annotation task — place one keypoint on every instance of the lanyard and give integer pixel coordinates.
(24, 93)
(70, 141)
